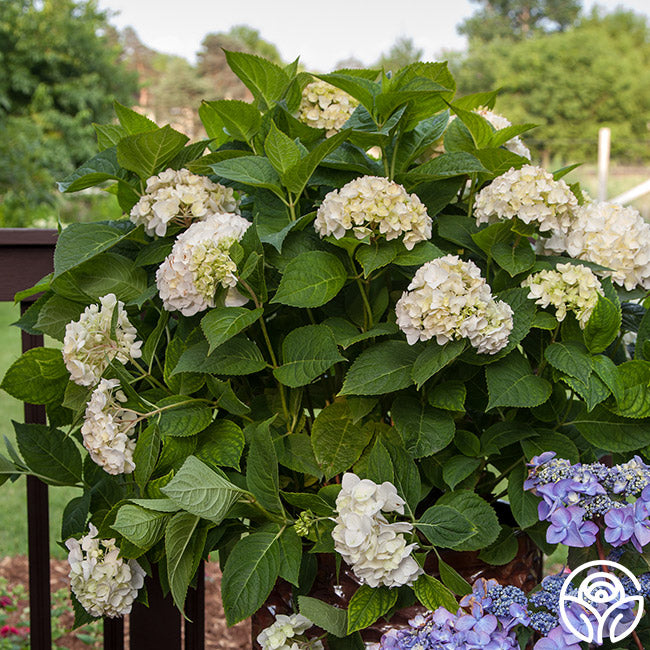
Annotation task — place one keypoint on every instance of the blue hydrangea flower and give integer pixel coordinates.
(620, 526)
(569, 527)
(555, 641)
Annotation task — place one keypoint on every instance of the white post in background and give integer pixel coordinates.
(604, 139)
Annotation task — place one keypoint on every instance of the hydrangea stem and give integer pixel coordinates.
(269, 347)
(148, 376)
(385, 162)
(367, 309)
(292, 206)
(472, 190)
(393, 160)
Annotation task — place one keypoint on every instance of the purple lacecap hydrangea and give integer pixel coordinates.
(493, 616)
(579, 499)
(556, 640)
(474, 625)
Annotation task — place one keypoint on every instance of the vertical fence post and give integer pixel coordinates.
(195, 612)
(113, 634)
(38, 532)
(156, 626)
(604, 138)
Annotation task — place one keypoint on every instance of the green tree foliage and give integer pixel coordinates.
(62, 68)
(25, 182)
(519, 18)
(403, 52)
(571, 84)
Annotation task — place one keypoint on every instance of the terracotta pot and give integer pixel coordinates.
(525, 572)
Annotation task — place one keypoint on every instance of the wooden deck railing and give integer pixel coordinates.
(26, 256)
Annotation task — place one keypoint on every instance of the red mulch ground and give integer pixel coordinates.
(217, 635)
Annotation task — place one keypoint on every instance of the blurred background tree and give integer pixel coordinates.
(517, 19)
(401, 53)
(62, 68)
(571, 83)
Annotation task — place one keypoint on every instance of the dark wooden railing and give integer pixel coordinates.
(26, 256)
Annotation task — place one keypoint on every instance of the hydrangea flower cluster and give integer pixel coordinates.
(106, 429)
(531, 194)
(611, 235)
(376, 550)
(578, 500)
(499, 122)
(485, 619)
(104, 583)
(449, 299)
(569, 287)
(374, 205)
(544, 608)
(88, 347)
(324, 106)
(178, 196)
(200, 263)
(285, 633)
(491, 616)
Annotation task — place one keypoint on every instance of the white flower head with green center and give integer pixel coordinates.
(104, 583)
(570, 287)
(499, 122)
(373, 205)
(178, 196)
(376, 550)
(611, 235)
(89, 347)
(286, 633)
(200, 263)
(530, 194)
(324, 106)
(106, 429)
(449, 299)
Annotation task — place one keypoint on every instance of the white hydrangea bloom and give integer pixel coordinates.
(373, 204)
(180, 196)
(610, 235)
(382, 557)
(88, 347)
(499, 122)
(199, 263)
(488, 328)
(532, 195)
(365, 497)
(324, 106)
(106, 429)
(569, 287)
(449, 299)
(376, 550)
(104, 583)
(285, 634)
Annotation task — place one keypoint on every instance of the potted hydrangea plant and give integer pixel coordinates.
(326, 342)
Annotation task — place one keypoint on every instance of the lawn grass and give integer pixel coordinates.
(13, 514)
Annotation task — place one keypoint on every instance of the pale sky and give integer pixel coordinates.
(321, 32)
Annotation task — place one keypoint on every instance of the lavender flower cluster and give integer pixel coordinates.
(491, 618)
(578, 500)
(487, 618)
(544, 607)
